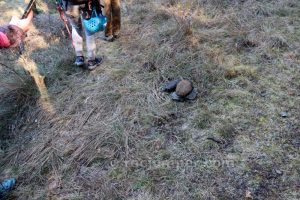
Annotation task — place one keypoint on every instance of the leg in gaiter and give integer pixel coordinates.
(113, 14)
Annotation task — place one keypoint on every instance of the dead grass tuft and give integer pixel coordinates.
(16, 95)
(246, 71)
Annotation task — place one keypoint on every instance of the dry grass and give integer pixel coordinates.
(111, 133)
(17, 95)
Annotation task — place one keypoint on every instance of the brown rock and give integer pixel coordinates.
(183, 88)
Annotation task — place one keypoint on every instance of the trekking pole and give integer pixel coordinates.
(63, 18)
(28, 9)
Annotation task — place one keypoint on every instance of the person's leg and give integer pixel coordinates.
(77, 42)
(108, 14)
(90, 46)
(73, 15)
(92, 61)
(116, 18)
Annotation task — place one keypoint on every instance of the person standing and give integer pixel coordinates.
(113, 14)
(74, 10)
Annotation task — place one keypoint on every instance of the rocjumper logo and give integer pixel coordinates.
(175, 164)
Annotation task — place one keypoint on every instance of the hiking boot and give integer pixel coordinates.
(116, 35)
(92, 64)
(79, 61)
(109, 38)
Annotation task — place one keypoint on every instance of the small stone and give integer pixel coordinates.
(192, 95)
(184, 127)
(183, 88)
(170, 86)
(278, 172)
(175, 97)
(284, 114)
(263, 93)
(248, 195)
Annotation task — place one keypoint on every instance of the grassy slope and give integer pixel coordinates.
(111, 134)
